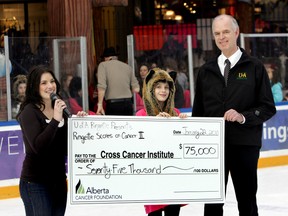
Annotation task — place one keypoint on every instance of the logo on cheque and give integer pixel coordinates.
(80, 188)
(92, 193)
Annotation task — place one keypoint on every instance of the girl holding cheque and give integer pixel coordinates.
(158, 96)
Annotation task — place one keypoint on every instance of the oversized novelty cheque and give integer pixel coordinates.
(148, 160)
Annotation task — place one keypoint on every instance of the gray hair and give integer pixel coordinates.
(234, 22)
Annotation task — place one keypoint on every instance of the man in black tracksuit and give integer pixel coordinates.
(245, 102)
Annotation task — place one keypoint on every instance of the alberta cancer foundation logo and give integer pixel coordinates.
(93, 193)
(79, 188)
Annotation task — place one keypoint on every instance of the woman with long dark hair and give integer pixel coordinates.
(43, 186)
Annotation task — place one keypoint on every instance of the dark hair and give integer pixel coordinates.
(65, 77)
(33, 82)
(144, 64)
(75, 86)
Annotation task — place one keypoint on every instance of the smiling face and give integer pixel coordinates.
(158, 92)
(47, 86)
(161, 91)
(225, 32)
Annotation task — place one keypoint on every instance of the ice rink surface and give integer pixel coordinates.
(272, 200)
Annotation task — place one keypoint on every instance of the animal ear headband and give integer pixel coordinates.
(172, 74)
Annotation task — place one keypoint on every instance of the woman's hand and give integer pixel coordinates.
(59, 106)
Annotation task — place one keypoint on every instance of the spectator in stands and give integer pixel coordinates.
(75, 100)
(93, 93)
(19, 88)
(154, 65)
(172, 49)
(143, 71)
(276, 85)
(65, 82)
(137, 16)
(182, 77)
(64, 91)
(171, 65)
(42, 55)
(285, 98)
(283, 68)
(116, 83)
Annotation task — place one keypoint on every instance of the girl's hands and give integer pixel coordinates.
(163, 114)
(82, 113)
(183, 115)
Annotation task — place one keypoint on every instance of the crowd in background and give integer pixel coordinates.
(171, 57)
(72, 94)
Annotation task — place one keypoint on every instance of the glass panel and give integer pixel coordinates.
(62, 55)
(169, 53)
(3, 89)
(272, 50)
(156, 45)
(68, 63)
